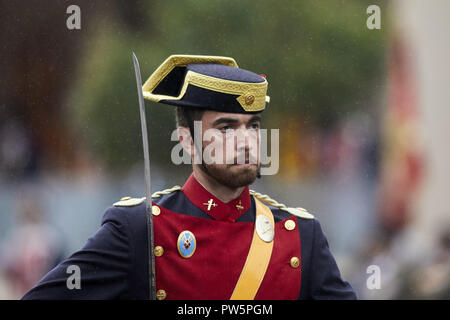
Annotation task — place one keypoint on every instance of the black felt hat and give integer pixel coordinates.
(208, 82)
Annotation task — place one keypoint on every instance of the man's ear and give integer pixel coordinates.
(184, 135)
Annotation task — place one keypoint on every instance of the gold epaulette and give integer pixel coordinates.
(299, 212)
(130, 202)
(158, 194)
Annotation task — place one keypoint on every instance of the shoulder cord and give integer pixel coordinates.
(270, 201)
(158, 194)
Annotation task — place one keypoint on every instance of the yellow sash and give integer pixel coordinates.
(257, 261)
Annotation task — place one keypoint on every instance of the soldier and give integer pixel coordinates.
(214, 238)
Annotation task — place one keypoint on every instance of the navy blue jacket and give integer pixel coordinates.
(114, 261)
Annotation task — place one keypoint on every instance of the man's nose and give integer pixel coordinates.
(243, 138)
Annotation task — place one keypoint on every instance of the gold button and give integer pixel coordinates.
(289, 225)
(295, 262)
(249, 99)
(125, 198)
(161, 294)
(158, 251)
(156, 210)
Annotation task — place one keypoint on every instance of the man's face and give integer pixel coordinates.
(231, 149)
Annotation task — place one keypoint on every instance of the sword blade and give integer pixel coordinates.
(152, 282)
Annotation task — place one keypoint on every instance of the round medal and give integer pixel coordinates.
(186, 244)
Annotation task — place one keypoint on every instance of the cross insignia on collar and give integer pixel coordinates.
(239, 205)
(209, 204)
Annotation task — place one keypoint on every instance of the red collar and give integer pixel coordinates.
(214, 207)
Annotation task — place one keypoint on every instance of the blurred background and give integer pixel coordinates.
(363, 118)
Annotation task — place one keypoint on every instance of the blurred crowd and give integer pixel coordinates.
(30, 247)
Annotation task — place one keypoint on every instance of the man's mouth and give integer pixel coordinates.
(245, 163)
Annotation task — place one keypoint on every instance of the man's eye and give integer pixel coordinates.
(225, 128)
(255, 126)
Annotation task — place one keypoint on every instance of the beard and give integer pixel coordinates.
(232, 176)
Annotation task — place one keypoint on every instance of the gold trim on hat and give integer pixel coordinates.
(243, 89)
(179, 61)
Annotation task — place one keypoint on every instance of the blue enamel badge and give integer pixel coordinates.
(186, 244)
